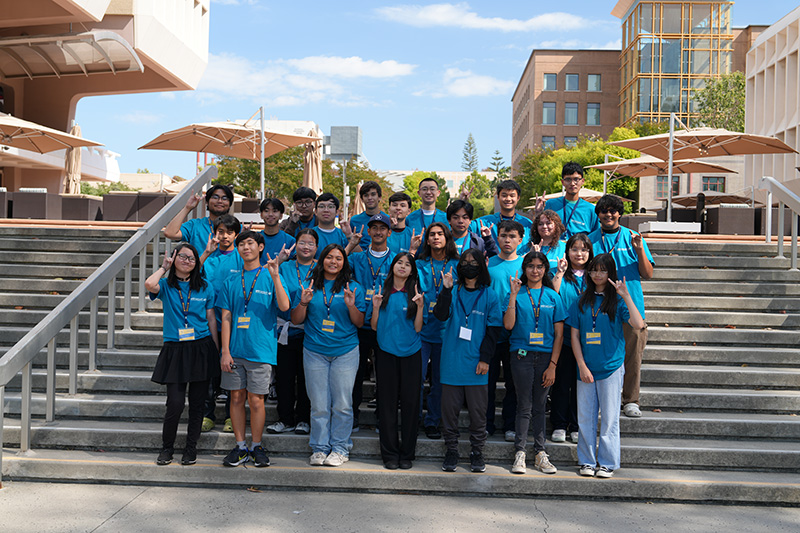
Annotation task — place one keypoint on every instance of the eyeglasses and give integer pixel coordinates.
(610, 211)
(429, 189)
(186, 258)
(537, 266)
(571, 180)
(326, 207)
(304, 203)
(598, 272)
(219, 198)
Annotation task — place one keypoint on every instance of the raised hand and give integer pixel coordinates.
(486, 231)
(349, 296)
(540, 201)
(274, 266)
(284, 254)
(621, 287)
(416, 241)
(168, 260)
(418, 298)
(465, 193)
(355, 236)
(212, 245)
(516, 285)
(537, 247)
(562, 265)
(346, 228)
(193, 200)
(294, 215)
(636, 241)
(377, 298)
(447, 279)
(306, 295)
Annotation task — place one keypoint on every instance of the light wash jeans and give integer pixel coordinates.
(329, 382)
(602, 397)
(432, 352)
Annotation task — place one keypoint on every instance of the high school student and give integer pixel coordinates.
(508, 195)
(426, 215)
(275, 240)
(459, 217)
(219, 200)
(546, 238)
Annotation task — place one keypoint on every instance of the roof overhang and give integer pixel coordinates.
(74, 54)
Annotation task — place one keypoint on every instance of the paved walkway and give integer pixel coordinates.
(111, 508)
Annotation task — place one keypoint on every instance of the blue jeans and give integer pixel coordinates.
(602, 396)
(432, 352)
(329, 382)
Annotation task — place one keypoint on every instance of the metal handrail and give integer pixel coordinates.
(20, 356)
(785, 198)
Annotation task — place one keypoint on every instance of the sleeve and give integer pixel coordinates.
(361, 302)
(494, 318)
(186, 231)
(560, 313)
(352, 260)
(223, 298)
(211, 298)
(162, 286)
(491, 246)
(622, 310)
(443, 302)
(489, 344)
(342, 238)
(573, 320)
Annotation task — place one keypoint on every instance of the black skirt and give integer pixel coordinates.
(187, 361)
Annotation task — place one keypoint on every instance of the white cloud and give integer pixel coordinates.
(465, 83)
(351, 67)
(140, 117)
(461, 16)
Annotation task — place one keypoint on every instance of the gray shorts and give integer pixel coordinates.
(255, 377)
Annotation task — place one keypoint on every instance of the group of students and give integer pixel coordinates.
(554, 302)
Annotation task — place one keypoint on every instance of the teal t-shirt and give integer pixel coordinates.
(553, 254)
(198, 302)
(419, 221)
(273, 245)
(196, 232)
(370, 272)
(570, 293)
(577, 217)
(495, 218)
(219, 267)
(400, 241)
(331, 339)
(501, 272)
(602, 341)
(335, 236)
(295, 277)
(396, 332)
(361, 220)
(527, 328)
(430, 280)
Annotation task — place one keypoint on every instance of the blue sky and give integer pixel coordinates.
(417, 78)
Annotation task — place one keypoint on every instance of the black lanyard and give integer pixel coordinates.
(246, 295)
(536, 307)
(185, 306)
(300, 279)
(461, 304)
(594, 315)
(440, 276)
(566, 218)
(372, 270)
(603, 239)
(325, 300)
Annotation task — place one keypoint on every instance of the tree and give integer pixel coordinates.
(644, 129)
(469, 161)
(499, 165)
(482, 198)
(411, 188)
(721, 103)
(101, 189)
(355, 172)
(283, 173)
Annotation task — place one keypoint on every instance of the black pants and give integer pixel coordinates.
(176, 399)
(398, 379)
(563, 393)
(509, 412)
(531, 397)
(367, 346)
(290, 383)
(453, 398)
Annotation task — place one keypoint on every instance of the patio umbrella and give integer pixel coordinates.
(590, 195)
(312, 166)
(358, 205)
(72, 166)
(648, 165)
(35, 137)
(712, 198)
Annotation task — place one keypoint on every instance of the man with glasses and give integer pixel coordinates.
(419, 220)
(576, 214)
(197, 231)
(634, 263)
(301, 215)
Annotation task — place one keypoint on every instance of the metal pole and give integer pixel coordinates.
(73, 355)
(669, 163)
(50, 393)
(25, 409)
(794, 241)
(768, 212)
(112, 312)
(93, 335)
(142, 277)
(261, 151)
(2, 403)
(605, 175)
(780, 229)
(126, 316)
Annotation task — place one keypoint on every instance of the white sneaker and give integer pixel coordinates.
(335, 459)
(279, 427)
(543, 464)
(605, 472)
(510, 436)
(631, 410)
(559, 435)
(302, 428)
(519, 463)
(317, 459)
(574, 437)
(587, 470)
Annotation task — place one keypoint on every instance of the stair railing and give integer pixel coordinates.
(20, 357)
(785, 198)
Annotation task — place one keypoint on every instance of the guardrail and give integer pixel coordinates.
(19, 358)
(785, 198)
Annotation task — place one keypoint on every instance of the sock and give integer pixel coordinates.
(241, 444)
(255, 444)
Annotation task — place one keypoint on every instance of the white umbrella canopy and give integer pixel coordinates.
(28, 135)
(648, 165)
(711, 198)
(312, 165)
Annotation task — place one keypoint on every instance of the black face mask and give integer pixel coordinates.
(467, 271)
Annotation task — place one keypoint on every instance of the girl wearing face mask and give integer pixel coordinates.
(471, 312)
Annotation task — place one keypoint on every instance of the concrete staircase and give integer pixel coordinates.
(720, 391)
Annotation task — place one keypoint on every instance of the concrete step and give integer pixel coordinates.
(725, 262)
(723, 336)
(149, 340)
(722, 318)
(773, 304)
(53, 258)
(12, 270)
(31, 317)
(34, 244)
(50, 301)
(685, 398)
(426, 477)
(722, 355)
(720, 376)
(105, 360)
(699, 248)
(712, 288)
(67, 234)
(727, 276)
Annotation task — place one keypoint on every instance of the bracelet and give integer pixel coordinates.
(553, 362)
(304, 304)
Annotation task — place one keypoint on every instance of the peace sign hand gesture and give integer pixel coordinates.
(284, 254)
(193, 200)
(636, 241)
(447, 279)
(294, 214)
(274, 266)
(213, 244)
(377, 298)
(540, 201)
(621, 287)
(349, 296)
(416, 241)
(355, 236)
(562, 265)
(418, 298)
(168, 260)
(516, 285)
(306, 295)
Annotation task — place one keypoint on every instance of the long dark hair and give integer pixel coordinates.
(196, 278)
(569, 275)
(554, 218)
(527, 260)
(483, 279)
(410, 285)
(609, 305)
(450, 250)
(342, 278)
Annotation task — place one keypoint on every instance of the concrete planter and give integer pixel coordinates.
(81, 207)
(38, 205)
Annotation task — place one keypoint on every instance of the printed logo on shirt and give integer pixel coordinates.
(267, 293)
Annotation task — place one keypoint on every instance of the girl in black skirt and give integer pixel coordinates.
(190, 355)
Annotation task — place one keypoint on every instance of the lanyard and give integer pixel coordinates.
(594, 315)
(463, 243)
(185, 305)
(252, 286)
(211, 225)
(603, 238)
(325, 300)
(566, 218)
(536, 307)
(461, 304)
(435, 278)
(372, 270)
(422, 216)
(300, 278)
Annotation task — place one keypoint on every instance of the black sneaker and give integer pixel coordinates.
(476, 462)
(189, 457)
(165, 456)
(259, 455)
(432, 432)
(236, 457)
(450, 461)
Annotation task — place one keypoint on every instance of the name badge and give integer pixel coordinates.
(243, 322)
(465, 333)
(536, 338)
(431, 307)
(370, 293)
(328, 325)
(592, 337)
(186, 334)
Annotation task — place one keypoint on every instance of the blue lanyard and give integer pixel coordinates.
(372, 270)
(435, 277)
(564, 211)
(185, 306)
(603, 239)
(474, 304)
(246, 295)
(536, 307)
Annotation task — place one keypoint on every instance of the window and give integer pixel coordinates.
(549, 143)
(571, 113)
(714, 183)
(573, 82)
(550, 82)
(450, 184)
(570, 141)
(592, 114)
(549, 113)
(593, 83)
(661, 187)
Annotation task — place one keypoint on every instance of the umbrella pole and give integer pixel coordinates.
(261, 152)
(669, 165)
(605, 176)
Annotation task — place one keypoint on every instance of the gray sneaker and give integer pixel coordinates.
(335, 459)
(317, 458)
(519, 463)
(302, 428)
(279, 427)
(543, 464)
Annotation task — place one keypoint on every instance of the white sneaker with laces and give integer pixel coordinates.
(519, 463)
(559, 435)
(335, 459)
(510, 436)
(605, 472)
(574, 437)
(279, 427)
(543, 464)
(587, 470)
(317, 458)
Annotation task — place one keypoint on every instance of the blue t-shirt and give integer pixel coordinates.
(218, 267)
(419, 221)
(359, 220)
(370, 272)
(495, 218)
(196, 232)
(273, 245)
(254, 339)
(400, 241)
(621, 249)
(577, 217)
(396, 332)
(524, 336)
(335, 236)
(501, 272)
(331, 339)
(553, 254)
(198, 303)
(430, 280)
(570, 293)
(292, 275)
(606, 353)
(460, 357)
(312, 223)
